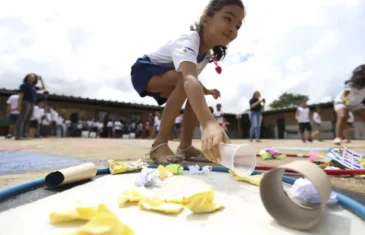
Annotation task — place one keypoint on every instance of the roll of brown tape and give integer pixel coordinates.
(282, 208)
(71, 175)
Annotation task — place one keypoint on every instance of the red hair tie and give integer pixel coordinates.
(218, 68)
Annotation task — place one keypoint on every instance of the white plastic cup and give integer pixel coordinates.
(240, 158)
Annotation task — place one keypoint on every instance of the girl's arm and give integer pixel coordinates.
(255, 104)
(194, 92)
(43, 87)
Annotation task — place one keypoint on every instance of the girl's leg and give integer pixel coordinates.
(31, 132)
(27, 120)
(342, 114)
(258, 127)
(317, 133)
(302, 132)
(253, 125)
(346, 133)
(19, 127)
(171, 86)
(309, 133)
(186, 148)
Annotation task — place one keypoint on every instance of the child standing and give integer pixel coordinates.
(12, 112)
(170, 75)
(38, 113)
(317, 123)
(350, 99)
(302, 116)
(157, 122)
(219, 114)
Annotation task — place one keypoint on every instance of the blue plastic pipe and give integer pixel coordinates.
(350, 204)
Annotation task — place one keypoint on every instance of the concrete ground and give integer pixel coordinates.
(21, 161)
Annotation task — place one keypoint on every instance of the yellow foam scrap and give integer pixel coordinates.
(202, 202)
(132, 195)
(118, 167)
(163, 172)
(72, 213)
(252, 179)
(159, 205)
(177, 200)
(104, 223)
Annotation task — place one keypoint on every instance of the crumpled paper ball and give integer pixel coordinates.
(304, 190)
(147, 177)
(195, 169)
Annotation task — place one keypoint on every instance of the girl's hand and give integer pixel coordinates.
(213, 92)
(213, 135)
(19, 108)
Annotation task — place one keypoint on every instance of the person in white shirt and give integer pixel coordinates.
(60, 126)
(157, 122)
(317, 123)
(12, 113)
(35, 120)
(302, 116)
(46, 122)
(100, 127)
(139, 130)
(109, 127)
(178, 121)
(351, 98)
(219, 114)
(54, 117)
(170, 75)
(118, 127)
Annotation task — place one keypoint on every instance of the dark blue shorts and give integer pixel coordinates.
(141, 73)
(13, 118)
(178, 125)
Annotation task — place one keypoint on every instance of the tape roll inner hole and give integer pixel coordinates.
(298, 200)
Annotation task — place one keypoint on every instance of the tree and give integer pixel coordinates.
(288, 100)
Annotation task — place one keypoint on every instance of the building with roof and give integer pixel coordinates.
(276, 124)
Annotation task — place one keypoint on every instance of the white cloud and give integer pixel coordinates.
(86, 48)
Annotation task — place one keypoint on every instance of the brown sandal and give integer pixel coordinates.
(170, 159)
(198, 158)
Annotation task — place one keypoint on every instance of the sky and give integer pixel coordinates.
(86, 48)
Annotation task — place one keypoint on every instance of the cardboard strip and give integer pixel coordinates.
(71, 175)
(282, 208)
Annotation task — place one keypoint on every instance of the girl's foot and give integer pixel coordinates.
(192, 153)
(162, 154)
(346, 141)
(337, 141)
(258, 141)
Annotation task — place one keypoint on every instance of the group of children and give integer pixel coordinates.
(43, 119)
(348, 102)
(305, 124)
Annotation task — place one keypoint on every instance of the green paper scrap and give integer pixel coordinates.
(175, 168)
(281, 156)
